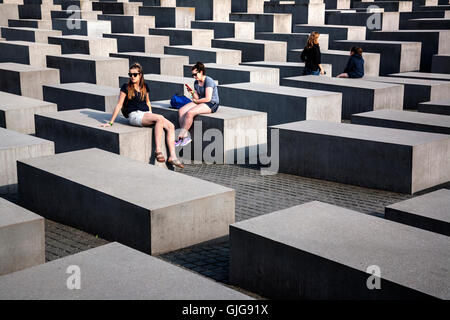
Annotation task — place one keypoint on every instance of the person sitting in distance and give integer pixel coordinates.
(355, 65)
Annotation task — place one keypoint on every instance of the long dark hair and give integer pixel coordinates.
(142, 86)
(312, 37)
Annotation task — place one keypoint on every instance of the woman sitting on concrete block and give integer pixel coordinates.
(205, 99)
(134, 101)
(355, 65)
(312, 56)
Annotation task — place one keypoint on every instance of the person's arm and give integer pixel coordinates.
(116, 110)
(318, 59)
(207, 98)
(148, 102)
(303, 55)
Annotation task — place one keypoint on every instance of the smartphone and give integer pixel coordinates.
(188, 88)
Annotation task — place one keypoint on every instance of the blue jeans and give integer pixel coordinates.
(308, 72)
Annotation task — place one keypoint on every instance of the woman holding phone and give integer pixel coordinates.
(205, 99)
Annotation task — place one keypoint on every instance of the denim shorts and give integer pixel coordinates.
(135, 118)
(213, 106)
(308, 71)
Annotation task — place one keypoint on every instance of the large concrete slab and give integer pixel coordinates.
(308, 12)
(129, 24)
(293, 40)
(429, 212)
(381, 158)
(17, 112)
(26, 80)
(206, 54)
(180, 36)
(77, 95)
(32, 53)
(92, 28)
(86, 68)
(30, 23)
(266, 22)
(28, 34)
(437, 107)
(321, 251)
(139, 43)
(229, 29)
(357, 95)
(22, 238)
(16, 146)
(97, 46)
(407, 120)
(283, 104)
(242, 133)
(217, 10)
(440, 63)
(169, 17)
(388, 21)
(113, 272)
(334, 32)
(254, 50)
(149, 208)
(423, 75)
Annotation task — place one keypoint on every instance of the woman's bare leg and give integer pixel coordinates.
(182, 116)
(170, 138)
(192, 113)
(158, 120)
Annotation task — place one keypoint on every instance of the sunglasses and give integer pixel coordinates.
(133, 74)
(195, 74)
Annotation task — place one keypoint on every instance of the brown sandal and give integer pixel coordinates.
(177, 163)
(160, 157)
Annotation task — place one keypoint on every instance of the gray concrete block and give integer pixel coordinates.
(78, 95)
(105, 275)
(78, 14)
(418, 90)
(229, 29)
(357, 95)
(169, 17)
(227, 74)
(321, 251)
(250, 6)
(308, 12)
(8, 11)
(243, 133)
(149, 208)
(406, 120)
(32, 53)
(255, 50)
(129, 24)
(17, 112)
(425, 23)
(16, 146)
(81, 27)
(388, 6)
(28, 34)
(266, 22)
(337, 4)
(437, 107)
(178, 36)
(423, 75)
(97, 46)
(22, 238)
(30, 23)
(37, 11)
(334, 32)
(79, 129)
(26, 80)
(293, 40)
(206, 55)
(395, 56)
(283, 104)
(217, 10)
(126, 8)
(389, 21)
(382, 158)
(92, 69)
(429, 212)
(139, 43)
(165, 64)
(440, 63)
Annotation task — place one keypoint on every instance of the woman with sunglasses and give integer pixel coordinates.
(135, 104)
(205, 99)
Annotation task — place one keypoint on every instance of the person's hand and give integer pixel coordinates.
(194, 101)
(322, 72)
(107, 124)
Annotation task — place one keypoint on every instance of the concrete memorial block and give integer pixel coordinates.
(320, 251)
(28, 34)
(429, 212)
(308, 12)
(433, 42)
(357, 95)
(334, 32)
(31, 53)
(230, 29)
(84, 5)
(388, 6)
(179, 36)
(30, 23)
(22, 238)
(129, 24)
(406, 120)
(8, 11)
(77, 95)
(266, 22)
(169, 17)
(283, 104)
(106, 276)
(243, 133)
(400, 160)
(418, 90)
(337, 4)
(227, 74)
(139, 43)
(80, 27)
(389, 21)
(37, 11)
(216, 10)
(17, 112)
(97, 46)
(250, 6)
(440, 63)
(287, 69)
(339, 59)
(16, 146)
(26, 80)
(206, 55)
(400, 56)
(254, 50)
(119, 7)
(293, 40)
(437, 107)
(165, 64)
(150, 209)
(79, 129)
(425, 23)
(423, 75)
(75, 14)
(92, 69)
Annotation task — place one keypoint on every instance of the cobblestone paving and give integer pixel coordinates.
(256, 195)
